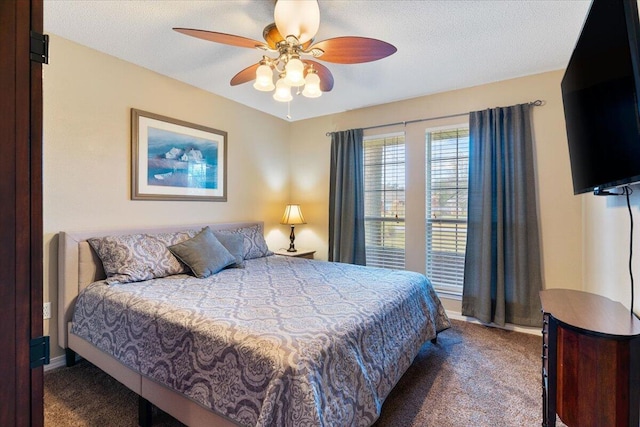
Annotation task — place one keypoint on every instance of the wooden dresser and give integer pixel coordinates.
(590, 361)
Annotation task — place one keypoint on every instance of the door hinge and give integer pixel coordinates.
(39, 351)
(39, 47)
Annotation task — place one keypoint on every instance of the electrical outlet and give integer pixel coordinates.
(46, 310)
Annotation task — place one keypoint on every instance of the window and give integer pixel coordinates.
(447, 172)
(384, 198)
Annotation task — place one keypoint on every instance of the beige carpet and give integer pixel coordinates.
(475, 376)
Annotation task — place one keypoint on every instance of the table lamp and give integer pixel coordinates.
(292, 216)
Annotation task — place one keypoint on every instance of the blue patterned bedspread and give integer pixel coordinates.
(283, 342)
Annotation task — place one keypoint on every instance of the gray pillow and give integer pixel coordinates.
(204, 254)
(137, 257)
(234, 243)
(254, 244)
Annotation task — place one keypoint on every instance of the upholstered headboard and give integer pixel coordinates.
(79, 266)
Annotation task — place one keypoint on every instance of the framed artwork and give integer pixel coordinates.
(176, 160)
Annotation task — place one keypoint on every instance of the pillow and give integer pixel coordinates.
(204, 254)
(137, 257)
(254, 244)
(234, 243)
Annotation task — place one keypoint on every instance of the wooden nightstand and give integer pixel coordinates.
(300, 253)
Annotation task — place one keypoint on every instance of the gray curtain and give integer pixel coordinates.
(346, 198)
(502, 276)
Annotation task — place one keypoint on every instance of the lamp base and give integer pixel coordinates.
(292, 237)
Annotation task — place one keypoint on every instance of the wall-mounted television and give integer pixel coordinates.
(600, 95)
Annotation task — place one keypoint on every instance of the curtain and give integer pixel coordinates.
(502, 276)
(346, 198)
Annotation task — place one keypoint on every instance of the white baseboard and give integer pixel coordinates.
(524, 329)
(56, 362)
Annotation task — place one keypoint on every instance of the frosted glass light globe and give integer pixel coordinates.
(295, 72)
(299, 18)
(264, 79)
(283, 91)
(312, 86)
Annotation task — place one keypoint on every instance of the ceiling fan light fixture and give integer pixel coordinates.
(287, 40)
(299, 18)
(264, 79)
(283, 91)
(295, 72)
(312, 85)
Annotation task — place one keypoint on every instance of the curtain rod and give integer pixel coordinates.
(536, 103)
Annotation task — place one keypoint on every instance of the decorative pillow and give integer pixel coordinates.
(254, 244)
(137, 257)
(234, 243)
(204, 254)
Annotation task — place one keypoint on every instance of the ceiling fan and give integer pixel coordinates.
(290, 38)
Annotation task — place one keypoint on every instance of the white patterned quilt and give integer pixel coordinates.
(283, 342)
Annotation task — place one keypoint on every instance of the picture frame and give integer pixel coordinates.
(176, 160)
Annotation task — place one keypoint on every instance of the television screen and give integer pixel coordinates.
(600, 96)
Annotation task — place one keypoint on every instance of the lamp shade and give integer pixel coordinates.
(292, 215)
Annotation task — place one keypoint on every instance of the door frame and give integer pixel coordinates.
(21, 238)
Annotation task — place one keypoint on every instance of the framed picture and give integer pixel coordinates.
(176, 160)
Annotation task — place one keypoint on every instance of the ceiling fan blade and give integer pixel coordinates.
(306, 45)
(326, 78)
(245, 75)
(223, 38)
(353, 50)
(272, 36)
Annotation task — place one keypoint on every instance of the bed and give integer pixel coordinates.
(280, 341)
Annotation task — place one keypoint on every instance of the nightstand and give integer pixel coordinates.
(300, 253)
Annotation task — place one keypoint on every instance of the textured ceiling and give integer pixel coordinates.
(442, 44)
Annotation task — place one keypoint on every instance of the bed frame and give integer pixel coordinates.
(79, 266)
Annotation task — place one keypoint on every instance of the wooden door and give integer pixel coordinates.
(21, 388)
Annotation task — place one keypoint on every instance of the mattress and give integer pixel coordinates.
(284, 341)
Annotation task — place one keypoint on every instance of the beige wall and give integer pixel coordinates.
(87, 101)
(560, 212)
(606, 247)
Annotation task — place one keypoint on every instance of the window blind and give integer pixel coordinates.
(447, 173)
(384, 199)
